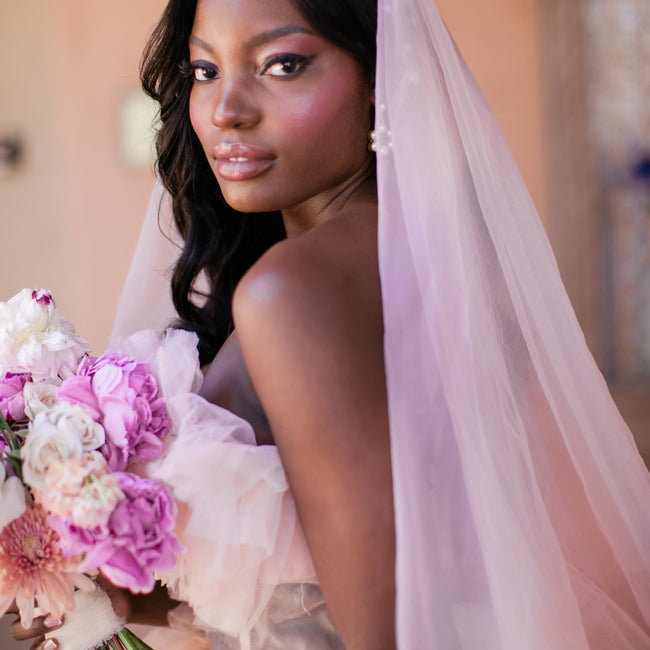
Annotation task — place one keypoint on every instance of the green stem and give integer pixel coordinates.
(7, 434)
(15, 463)
(125, 640)
(130, 641)
(12, 439)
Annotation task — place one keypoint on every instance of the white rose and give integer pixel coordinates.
(33, 338)
(74, 418)
(39, 396)
(62, 432)
(12, 498)
(77, 420)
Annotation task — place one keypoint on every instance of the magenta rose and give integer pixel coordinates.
(12, 401)
(137, 540)
(121, 394)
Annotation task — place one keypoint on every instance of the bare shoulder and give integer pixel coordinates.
(329, 273)
(309, 320)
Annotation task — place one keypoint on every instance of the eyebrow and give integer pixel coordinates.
(258, 40)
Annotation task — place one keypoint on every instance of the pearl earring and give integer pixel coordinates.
(372, 141)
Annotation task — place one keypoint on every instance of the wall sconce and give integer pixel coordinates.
(10, 151)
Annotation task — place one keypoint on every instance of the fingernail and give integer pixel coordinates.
(52, 621)
(50, 644)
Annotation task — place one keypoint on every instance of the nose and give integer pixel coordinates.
(234, 105)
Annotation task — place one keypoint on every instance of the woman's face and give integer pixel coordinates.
(281, 113)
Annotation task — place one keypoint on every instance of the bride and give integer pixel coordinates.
(381, 319)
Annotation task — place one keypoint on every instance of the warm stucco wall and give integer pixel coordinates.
(98, 49)
(530, 59)
(70, 214)
(31, 216)
(500, 41)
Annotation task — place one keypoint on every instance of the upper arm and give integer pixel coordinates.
(311, 333)
(312, 338)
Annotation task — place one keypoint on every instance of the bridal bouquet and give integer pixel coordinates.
(70, 424)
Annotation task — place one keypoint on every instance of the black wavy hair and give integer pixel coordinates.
(219, 240)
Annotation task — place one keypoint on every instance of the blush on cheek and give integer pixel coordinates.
(331, 101)
(332, 117)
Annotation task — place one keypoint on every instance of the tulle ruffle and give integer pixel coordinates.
(237, 518)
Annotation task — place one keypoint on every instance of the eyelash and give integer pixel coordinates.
(192, 69)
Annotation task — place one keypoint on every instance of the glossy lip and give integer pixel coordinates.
(241, 162)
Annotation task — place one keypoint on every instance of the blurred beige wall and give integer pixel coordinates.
(70, 213)
(32, 224)
(501, 42)
(530, 59)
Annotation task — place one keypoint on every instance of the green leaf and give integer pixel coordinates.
(130, 641)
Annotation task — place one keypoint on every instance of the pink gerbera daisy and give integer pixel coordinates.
(32, 568)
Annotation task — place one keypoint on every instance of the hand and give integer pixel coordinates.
(39, 627)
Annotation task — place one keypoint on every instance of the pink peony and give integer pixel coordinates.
(33, 568)
(12, 401)
(122, 394)
(137, 540)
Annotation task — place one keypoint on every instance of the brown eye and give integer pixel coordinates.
(204, 72)
(286, 65)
